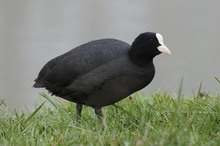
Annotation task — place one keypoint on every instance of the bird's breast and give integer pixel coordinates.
(116, 88)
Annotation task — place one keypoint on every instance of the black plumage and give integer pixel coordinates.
(102, 72)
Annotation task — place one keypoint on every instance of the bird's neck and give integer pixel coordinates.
(140, 57)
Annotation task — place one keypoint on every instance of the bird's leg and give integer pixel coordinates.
(99, 114)
(78, 112)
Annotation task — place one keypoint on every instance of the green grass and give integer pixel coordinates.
(160, 119)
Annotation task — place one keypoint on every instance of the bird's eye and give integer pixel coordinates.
(151, 40)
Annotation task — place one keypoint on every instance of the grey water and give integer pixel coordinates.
(33, 32)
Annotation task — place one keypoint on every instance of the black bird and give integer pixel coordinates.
(102, 72)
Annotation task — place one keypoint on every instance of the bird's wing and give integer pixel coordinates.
(64, 69)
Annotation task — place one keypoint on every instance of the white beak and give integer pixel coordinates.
(163, 49)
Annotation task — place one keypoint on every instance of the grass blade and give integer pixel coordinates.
(122, 109)
(2, 102)
(56, 105)
(199, 91)
(217, 79)
(28, 119)
(47, 98)
(180, 89)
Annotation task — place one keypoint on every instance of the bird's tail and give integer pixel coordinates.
(38, 85)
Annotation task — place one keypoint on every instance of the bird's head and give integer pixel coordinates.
(147, 45)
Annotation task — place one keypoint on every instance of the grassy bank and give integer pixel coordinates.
(156, 120)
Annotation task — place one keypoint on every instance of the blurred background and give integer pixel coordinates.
(33, 32)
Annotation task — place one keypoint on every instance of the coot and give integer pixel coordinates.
(102, 72)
